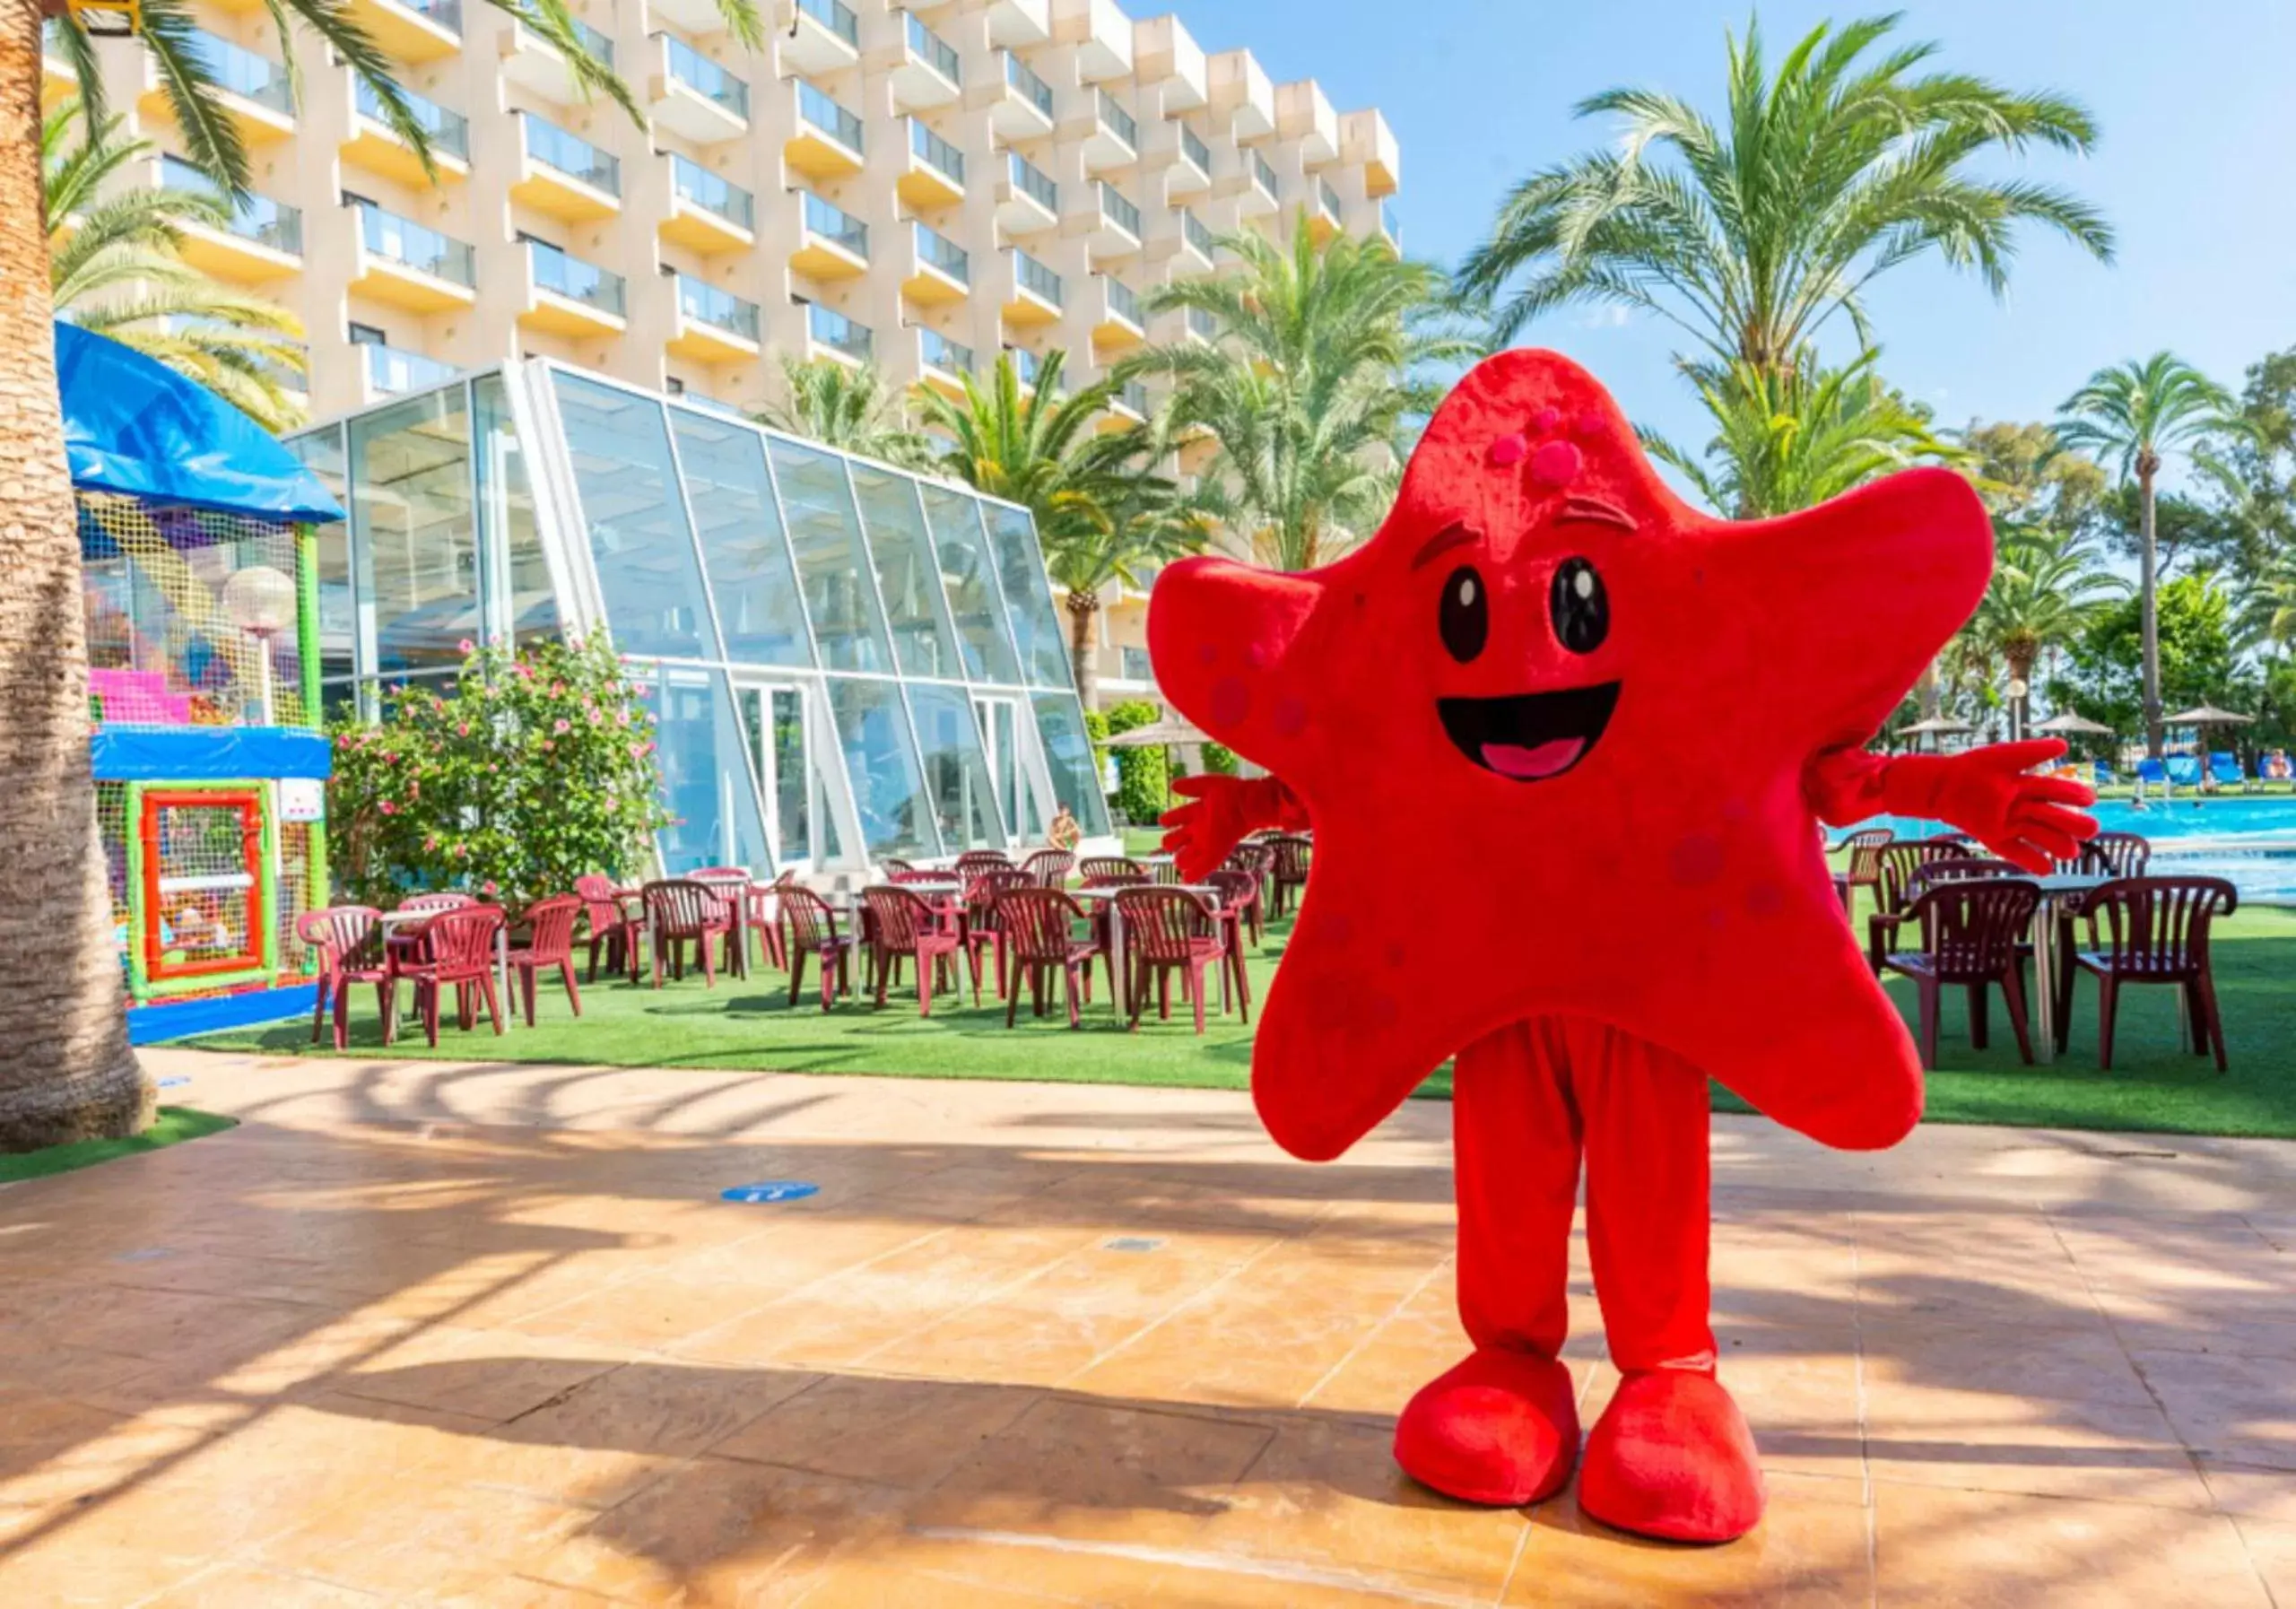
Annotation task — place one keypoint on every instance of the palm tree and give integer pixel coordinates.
(69, 1074)
(1101, 515)
(114, 269)
(1307, 387)
(1751, 234)
(1790, 439)
(849, 407)
(2046, 589)
(2132, 415)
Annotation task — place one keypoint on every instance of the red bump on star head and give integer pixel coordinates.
(1509, 449)
(1557, 464)
(1543, 421)
(1592, 424)
(1232, 701)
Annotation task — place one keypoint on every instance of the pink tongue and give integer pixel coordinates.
(1513, 759)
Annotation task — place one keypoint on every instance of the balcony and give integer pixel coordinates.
(1201, 326)
(827, 144)
(830, 334)
(1023, 112)
(264, 239)
(833, 244)
(694, 96)
(1028, 368)
(1264, 194)
(412, 30)
(713, 325)
(570, 297)
(255, 93)
(928, 73)
(937, 170)
(1101, 33)
(707, 215)
(1390, 226)
(391, 371)
(1116, 222)
(564, 175)
(1028, 203)
(1366, 142)
(1303, 113)
(407, 265)
(377, 147)
(1327, 219)
(939, 269)
(1018, 24)
(532, 60)
(1033, 293)
(1242, 93)
(1113, 141)
(1126, 408)
(1197, 238)
(944, 362)
(1118, 321)
(1189, 172)
(819, 36)
(1167, 57)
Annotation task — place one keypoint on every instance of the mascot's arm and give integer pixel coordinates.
(1219, 812)
(1986, 793)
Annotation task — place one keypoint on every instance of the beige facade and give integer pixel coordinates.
(918, 185)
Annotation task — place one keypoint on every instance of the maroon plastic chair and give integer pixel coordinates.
(1239, 892)
(1100, 871)
(1970, 928)
(984, 924)
(348, 941)
(1900, 861)
(1040, 933)
(2116, 854)
(982, 860)
(811, 926)
(2153, 930)
(1292, 852)
(1049, 868)
(1259, 860)
(894, 868)
(457, 949)
(909, 875)
(550, 942)
(730, 886)
(448, 900)
(763, 921)
(611, 929)
(1864, 869)
(681, 912)
(1167, 931)
(903, 926)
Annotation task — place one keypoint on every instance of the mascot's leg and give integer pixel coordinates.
(1671, 1456)
(1502, 1426)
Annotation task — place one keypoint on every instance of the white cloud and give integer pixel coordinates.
(1604, 317)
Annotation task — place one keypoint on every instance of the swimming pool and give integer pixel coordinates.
(2250, 841)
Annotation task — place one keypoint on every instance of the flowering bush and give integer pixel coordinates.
(535, 769)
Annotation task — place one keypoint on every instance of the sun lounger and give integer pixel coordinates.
(2224, 770)
(2183, 770)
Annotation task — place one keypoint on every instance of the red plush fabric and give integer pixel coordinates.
(1562, 741)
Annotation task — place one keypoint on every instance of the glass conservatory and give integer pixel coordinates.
(848, 662)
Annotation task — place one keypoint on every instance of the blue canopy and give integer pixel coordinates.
(132, 425)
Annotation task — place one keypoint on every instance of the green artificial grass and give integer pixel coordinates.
(2154, 1086)
(172, 1126)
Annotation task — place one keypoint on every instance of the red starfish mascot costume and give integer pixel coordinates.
(1564, 741)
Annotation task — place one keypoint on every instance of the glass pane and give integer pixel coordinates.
(1068, 755)
(415, 548)
(888, 792)
(506, 503)
(967, 576)
(906, 575)
(705, 776)
(1000, 719)
(848, 627)
(1027, 596)
(638, 540)
(749, 572)
(793, 780)
(321, 452)
(956, 771)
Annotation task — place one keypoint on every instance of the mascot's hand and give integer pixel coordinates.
(1221, 811)
(2032, 820)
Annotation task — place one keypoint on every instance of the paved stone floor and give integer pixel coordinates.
(430, 1333)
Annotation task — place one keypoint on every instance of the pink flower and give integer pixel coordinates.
(547, 745)
(388, 808)
(465, 646)
(463, 730)
(557, 690)
(526, 671)
(431, 843)
(462, 851)
(488, 887)
(563, 725)
(622, 718)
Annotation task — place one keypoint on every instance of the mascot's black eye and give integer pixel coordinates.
(1580, 607)
(1466, 618)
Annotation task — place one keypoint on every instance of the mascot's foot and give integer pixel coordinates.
(1671, 1457)
(1501, 1428)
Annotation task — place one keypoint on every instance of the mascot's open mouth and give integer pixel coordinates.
(1530, 736)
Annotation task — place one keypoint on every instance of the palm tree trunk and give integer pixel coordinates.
(1931, 692)
(1084, 653)
(2148, 583)
(67, 1073)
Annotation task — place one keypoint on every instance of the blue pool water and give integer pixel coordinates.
(2251, 842)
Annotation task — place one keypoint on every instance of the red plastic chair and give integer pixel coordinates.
(1049, 868)
(1169, 930)
(611, 928)
(764, 918)
(1865, 867)
(1101, 871)
(812, 928)
(446, 901)
(730, 886)
(1293, 851)
(904, 926)
(1040, 929)
(348, 941)
(893, 868)
(1971, 928)
(1239, 893)
(678, 913)
(458, 949)
(984, 925)
(550, 942)
(1893, 893)
(2116, 854)
(2154, 930)
(982, 860)
(1259, 860)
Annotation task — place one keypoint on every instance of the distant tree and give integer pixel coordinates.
(2105, 675)
(846, 406)
(2030, 479)
(2045, 591)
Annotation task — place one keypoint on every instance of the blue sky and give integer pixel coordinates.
(2192, 99)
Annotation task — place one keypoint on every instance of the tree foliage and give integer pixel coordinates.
(847, 406)
(2104, 678)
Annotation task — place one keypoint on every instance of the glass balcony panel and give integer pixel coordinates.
(705, 77)
(408, 243)
(825, 534)
(835, 16)
(969, 579)
(1117, 120)
(828, 117)
(935, 51)
(940, 352)
(240, 72)
(708, 191)
(965, 806)
(1032, 181)
(448, 132)
(598, 46)
(1329, 198)
(1024, 78)
(574, 279)
(1119, 211)
(1133, 395)
(834, 329)
(571, 155)
(1026, 364)
(880, 756)
(1199, 153)
(255, 217)
(1198, 236)
(1389, 222)
(944, 254)
(1123, 301)
(705, 303)
(743, 547)
(1037, 278)
(936, 151)
(836, 225)
(1202, 322)
(1264, 176)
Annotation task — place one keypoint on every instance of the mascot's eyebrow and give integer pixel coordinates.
(1457, 533)
(1594, 510)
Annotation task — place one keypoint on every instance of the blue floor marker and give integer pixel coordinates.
(773, 1189)
(170, 1084)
